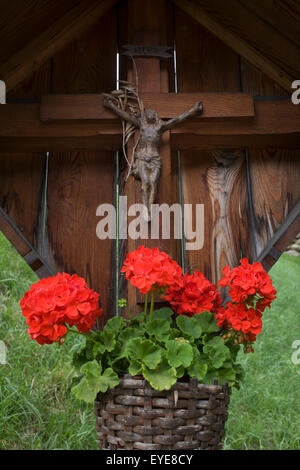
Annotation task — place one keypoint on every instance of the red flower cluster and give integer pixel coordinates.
(53, 303)
(149, 268)
(194, 294)
(249, 284)
(240, 318)
(251, 290)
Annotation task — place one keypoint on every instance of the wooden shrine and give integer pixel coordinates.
(61, 149)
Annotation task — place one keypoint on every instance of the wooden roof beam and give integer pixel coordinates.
(282, 15)
(239, 45)
(281, 238)
(58, 35)
(24, 248)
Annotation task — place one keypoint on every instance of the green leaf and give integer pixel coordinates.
(105, 342)
(91, 369)
(115, 324)
(162, 378)
(190, 325)
(208, 322)
(198, 367)
(83, 391)
(179, 353)
(217, 351)
(108, 379)
(138, 320)
(145, 351)
(174, 333)
(164, 313)
(120, 364)
(130, 333)
(94, 381)
(159, 328)
(226, 375)
(180, 371)
(135, 368)
(198, 370)
(210, 375)
(79, 358)
(239, 372)
(83, 354)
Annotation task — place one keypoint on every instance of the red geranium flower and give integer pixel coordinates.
(241, 319)
(194, 294)
(149, 269)
(249, 284)
(53, 303)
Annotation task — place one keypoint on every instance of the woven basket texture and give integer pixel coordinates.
(190, 415)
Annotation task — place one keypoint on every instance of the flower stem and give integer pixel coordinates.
(151, 305)
(146, 306)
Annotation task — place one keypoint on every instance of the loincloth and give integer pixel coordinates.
(150, 162)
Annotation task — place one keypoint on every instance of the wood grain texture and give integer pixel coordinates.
(249, 36)
(275, 190)
(239, 18)
(21, 22)
(8, 230)
(23, 246)
(79, 182)
(216, 179)
(20, 188)
(287, 231)
(149, 23)
(21, 129)
(258, 83)
(276, 122)
(29, 58)
(274, 176)
(167, 105)
(283, 15)
(22, 174)
(202, 59)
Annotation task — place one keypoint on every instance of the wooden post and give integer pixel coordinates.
(147, 25)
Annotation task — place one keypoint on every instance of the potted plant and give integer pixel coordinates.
(161, 379)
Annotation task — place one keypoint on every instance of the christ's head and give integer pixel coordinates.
(151, 116)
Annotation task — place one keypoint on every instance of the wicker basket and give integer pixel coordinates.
(135, 416)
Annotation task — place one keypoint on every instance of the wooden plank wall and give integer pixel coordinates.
(66, 188)
(213, 178)
(22, 175)
(78, 182)
(274, 176)
(246, 194)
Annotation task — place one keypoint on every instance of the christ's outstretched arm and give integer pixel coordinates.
(122, 114)
(197, 109)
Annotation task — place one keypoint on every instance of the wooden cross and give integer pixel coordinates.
(80, 122)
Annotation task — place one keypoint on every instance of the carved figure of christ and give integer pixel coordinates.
(148, 162)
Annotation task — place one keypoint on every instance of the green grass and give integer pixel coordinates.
(37, 410)
(265, 412)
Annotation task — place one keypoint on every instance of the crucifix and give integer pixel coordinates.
(148, 162)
